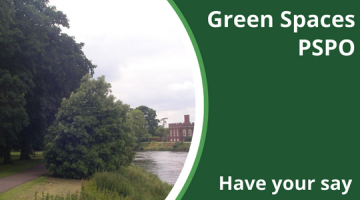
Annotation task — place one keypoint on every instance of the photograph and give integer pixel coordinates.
(98, 100)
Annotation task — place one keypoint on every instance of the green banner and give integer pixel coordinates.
(281, 99)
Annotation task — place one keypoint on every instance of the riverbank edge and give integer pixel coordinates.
(136, 183)
(134, 177)
(163, 146)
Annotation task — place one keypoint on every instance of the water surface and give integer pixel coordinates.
(166, 165)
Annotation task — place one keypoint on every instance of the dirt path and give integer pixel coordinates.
(9, 182)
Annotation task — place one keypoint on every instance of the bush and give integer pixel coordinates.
(176, 145)
(180, 146)
(188, 139)
(90, 133)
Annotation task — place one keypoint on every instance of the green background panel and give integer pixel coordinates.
(272, 113)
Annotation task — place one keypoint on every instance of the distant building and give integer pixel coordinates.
(179, 131)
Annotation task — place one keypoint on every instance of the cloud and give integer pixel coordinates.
(137, 46)
(181, 86)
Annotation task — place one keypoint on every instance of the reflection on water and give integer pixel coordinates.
(166, 165)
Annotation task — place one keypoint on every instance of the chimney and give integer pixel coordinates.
(186, 118)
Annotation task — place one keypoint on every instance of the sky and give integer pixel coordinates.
(139, 47)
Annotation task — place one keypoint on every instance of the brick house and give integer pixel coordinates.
(179, 131)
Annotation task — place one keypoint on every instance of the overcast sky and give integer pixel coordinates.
(139, 47)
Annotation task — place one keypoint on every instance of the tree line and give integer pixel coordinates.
(48, 99)
(40, 65)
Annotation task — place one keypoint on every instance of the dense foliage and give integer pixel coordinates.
(150, 116)
(47, 64)
(188, 139)
(90, 133)
(13, 116)
(138, 125)
(161, 132)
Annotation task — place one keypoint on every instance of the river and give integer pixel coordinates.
(166, 165)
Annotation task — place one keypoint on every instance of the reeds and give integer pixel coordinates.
(128, 183)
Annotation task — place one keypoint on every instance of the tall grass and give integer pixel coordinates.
(132, 182)
(163, 146)
(129, 183)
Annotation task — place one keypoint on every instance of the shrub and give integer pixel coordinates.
(90, 133)
(176, 145)
(188, 139)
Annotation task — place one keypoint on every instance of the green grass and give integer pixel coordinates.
(128, 183)
(164, 146)
(21, 191)
(47, 184)
(19, 165)
(132, 182)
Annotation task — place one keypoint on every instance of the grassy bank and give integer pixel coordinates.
(163, 146)
(48, 184)
(130, 182)
(19, 165)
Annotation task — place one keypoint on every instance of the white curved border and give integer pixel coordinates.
(199, 112)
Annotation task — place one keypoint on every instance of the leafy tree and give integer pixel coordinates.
(138, 125)
(150, 117)
(90, 133)
(163, 121)
(13, 116)
(162, 132)
(49, 62)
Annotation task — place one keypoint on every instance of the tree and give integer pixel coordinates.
(138, 125)
(150, 117)
(162, 132)
(163, 121)
(90, 133)
(48, 62)
(13, 116)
